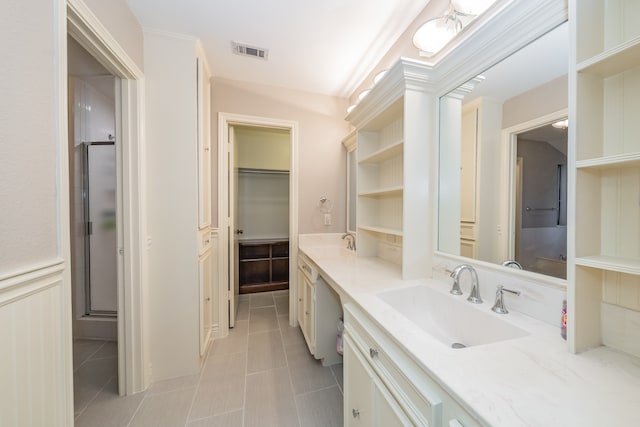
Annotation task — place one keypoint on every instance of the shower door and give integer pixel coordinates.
(100, 236)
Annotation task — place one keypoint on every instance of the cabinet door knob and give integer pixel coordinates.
(299, 299)
(355, 413)
(373, 352)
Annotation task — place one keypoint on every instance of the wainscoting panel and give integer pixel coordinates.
(32, 354)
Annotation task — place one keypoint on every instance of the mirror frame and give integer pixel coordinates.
(520, 22)
(350, 143)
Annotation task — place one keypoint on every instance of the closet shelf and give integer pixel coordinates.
(629, 160)
(613, 61)
(386, 153)
(383, 192)
(611, 263)
(383, 230)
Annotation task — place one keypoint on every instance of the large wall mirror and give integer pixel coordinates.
(503, 161)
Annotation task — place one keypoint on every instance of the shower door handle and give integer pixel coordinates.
(89, 228)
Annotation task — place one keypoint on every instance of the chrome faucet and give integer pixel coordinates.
(512, 263)
(498, 306)
(474, 295)
(351, 241)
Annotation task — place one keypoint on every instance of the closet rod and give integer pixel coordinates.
(263, 171)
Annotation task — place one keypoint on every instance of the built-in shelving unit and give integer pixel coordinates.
(392, 130)
(263, 265)
(604, 294)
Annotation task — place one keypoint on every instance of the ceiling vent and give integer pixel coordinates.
(246, 50)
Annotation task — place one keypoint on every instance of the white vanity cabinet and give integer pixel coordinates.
(368, 403)
(383, 386)
(319, 309)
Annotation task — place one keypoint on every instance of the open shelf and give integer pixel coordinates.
(382, 230)
(604, 295)
(603, 262)
(630, 160)
(383, 192)
(386, 153)
(613, 61)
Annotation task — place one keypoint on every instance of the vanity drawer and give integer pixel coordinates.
(394, 368)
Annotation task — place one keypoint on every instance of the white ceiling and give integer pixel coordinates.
(325, 46)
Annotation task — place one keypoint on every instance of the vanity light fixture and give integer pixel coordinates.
(363, 94)
(350, 108)
(436, 32)
(379, 76)
(561, 124)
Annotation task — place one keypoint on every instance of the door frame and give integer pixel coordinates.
(224, 121)
(509, 157)
(83, 26)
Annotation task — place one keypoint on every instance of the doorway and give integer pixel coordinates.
(537, 198)
(84, 28)
(276, 265)
(94, 224)
(261, 204)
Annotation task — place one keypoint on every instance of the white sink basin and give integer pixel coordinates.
(450, 319)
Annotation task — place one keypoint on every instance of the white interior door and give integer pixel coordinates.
(232, 212)
(101, 249)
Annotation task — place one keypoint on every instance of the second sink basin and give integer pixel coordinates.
(449, 319)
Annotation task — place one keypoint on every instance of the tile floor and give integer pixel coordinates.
(260, 375)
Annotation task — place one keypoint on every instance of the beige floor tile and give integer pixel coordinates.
(280, 292)
(269, 401)
(90, 378)
(265, 352)
(235, 342)
(262, 299)
(224, 366)
(221, 386)
(307, 373)
(282, 304)
(167, 409)
(262, 319)
(337, 372)
(243, 310)
(214, 398)
(321, 408)
(108, 349)
(83, 350)
(174, 384)
(231, 419)
(290, 334)
(110, 410)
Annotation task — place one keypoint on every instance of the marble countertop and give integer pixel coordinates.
(528, 381)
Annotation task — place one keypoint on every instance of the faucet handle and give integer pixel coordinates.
(455, 289)
(499, 306)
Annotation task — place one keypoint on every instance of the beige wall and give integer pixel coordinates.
(261, 148)
(403, 47)
(116, 16)
(545, 99)
(321, 158)
(28, 121)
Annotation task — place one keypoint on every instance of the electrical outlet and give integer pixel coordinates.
(327, 219)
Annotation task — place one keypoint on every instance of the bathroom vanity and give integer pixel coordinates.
(398, 371)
